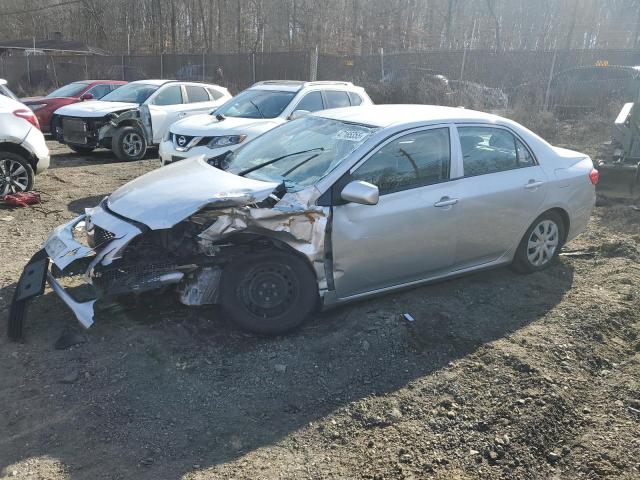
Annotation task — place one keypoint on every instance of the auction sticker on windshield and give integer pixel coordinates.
(351, 135)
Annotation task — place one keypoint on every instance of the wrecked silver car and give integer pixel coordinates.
(328, 208)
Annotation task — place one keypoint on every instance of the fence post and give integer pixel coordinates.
(161, 67)
(203, 65)
(464, 61)
(122, 65)
(313, 64)
(551, 72)
(381, 64)
(28, 70)
(86, 68)
(253, 67)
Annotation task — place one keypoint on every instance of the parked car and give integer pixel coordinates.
(254, 111)
(72, 93)
(23, 150)
(133, 117)
(6, 91)
(584, 89)
(332, 207)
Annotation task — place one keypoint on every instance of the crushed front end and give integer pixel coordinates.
(104, 255)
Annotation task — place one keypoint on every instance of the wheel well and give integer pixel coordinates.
(20, 150)
(566, 223)
(129, 123)
(261, 242)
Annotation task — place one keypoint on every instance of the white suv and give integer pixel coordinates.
(134, 116)
(253, 112)
(23, 150)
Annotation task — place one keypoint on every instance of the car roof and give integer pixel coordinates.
(296, 85)
(387, 115)
(103, 81)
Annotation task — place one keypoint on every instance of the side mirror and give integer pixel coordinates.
(299, 114)
(86, 96)
(360, 192)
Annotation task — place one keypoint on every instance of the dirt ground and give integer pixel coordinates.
(499, 376)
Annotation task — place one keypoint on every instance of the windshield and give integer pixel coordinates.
(71, 90)
(4, 90)
(299, 152)
(256, 104)
(131, 93)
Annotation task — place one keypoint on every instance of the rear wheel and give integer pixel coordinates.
(16, 173)
(269, 293)
(129, 144)
(541, 244)
(81, 150)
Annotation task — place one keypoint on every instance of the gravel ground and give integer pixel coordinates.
(499, 376)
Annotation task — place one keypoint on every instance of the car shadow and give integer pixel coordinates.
(158, 388)
(78, 205)
(70, 159)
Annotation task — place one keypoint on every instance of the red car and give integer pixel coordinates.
(75, 92)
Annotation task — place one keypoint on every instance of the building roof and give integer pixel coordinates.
(68, 46)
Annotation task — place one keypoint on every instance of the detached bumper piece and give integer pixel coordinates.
(31, 284)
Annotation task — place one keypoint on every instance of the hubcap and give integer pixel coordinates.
(13, 177)
(132, 144)
(543, 243)
(268, 290)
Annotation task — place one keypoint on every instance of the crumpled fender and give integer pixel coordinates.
(140, 116)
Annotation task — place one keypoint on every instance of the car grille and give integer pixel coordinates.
(119, 279)
(74, 130)
(101, 236)
(181, 141)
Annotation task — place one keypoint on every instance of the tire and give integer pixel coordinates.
(129, 144)
(269, 294)
(81, 150)
(548, 228)
(19, 172)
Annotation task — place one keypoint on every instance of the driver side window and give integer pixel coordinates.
(413, 160)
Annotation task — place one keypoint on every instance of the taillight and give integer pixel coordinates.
(594, 176)
(27, 115)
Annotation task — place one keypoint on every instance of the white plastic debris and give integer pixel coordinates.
(408, 317)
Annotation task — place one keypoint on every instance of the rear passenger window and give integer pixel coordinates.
(413, 160)
(215, 94)
(490, 150)
(169, 96)
(337, 99)
(197, 94)
(355, 98)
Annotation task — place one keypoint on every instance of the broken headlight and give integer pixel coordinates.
(226, 141)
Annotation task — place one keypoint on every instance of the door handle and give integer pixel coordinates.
(445, 202)
(533, 184)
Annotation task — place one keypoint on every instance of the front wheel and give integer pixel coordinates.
(16, 173)
(129, 144)
(541, 244)
(269, 294)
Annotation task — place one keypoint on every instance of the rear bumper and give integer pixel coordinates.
(35, 143)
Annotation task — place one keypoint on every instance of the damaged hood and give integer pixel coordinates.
(209, 126)
(94, 108)
(168, 195)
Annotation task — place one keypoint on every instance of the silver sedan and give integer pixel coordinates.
(330, 208)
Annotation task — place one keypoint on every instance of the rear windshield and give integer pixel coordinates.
(4, 90)
(71, 90)
(131, 93)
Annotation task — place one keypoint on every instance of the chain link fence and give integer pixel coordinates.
(472, 78)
